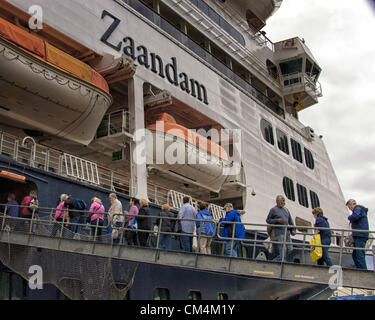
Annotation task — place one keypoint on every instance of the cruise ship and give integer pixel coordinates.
(159, 99)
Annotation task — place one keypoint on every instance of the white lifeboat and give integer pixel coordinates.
(43, 88)
(183, 153)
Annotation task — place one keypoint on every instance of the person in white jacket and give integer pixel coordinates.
(116, 218)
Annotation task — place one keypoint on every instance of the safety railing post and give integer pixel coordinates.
(4, 214)
(283, 246)
(342, 242)
(31, 222)
(158, 234)
(254, 244)
(199, 236)
(232, 240)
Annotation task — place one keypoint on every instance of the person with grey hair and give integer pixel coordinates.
(359, 221)
(187, 211)
(116, 218)
(280, 215)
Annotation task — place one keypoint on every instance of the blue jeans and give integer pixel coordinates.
(167, 241)
(359, 256)
(186, 243)
(228, 244)
(277, 248)
(325, 258)
(73, 227)
(117, 240)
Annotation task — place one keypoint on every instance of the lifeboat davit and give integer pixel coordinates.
(181, 152)
(43, 88)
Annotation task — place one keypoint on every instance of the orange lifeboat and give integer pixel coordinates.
(179, 151)
(43, 88)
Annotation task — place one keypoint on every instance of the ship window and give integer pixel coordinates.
(267, 131)
(314, 199)
(308, 66)
(214, 16)
(309, 159)
(302, 196)
(12, 286)
(161, 294)
(288, 186)
(296, 150)
(222, 296)
(195, 295)
(282, 141)
(289, 67)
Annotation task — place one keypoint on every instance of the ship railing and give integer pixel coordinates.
(262, 40)
(115, 228)
(114, 123)
(297, 79)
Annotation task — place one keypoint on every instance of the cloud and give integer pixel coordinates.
(340, 36)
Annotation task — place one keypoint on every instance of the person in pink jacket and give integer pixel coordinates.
(61, 215)
(96, 216)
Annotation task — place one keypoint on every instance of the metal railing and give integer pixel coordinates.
(114, 123)
(297, 79)
(43, 223)
(51, 160)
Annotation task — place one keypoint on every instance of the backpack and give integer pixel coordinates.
(80, 204)
(75, 204)
(207, 227)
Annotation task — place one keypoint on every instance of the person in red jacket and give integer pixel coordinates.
(26, 211)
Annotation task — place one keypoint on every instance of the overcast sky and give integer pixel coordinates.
(340, 35)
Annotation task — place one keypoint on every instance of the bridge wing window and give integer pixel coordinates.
(289, 67)
(267, 131)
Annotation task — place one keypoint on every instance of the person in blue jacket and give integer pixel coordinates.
(325, 235)
(359, 221)
(205, 228)
(232, 216)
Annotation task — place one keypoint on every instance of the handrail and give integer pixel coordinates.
(48, 220)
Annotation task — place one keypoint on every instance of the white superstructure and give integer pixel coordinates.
(209, 65)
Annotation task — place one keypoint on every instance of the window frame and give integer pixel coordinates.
(294, 150)
(289, 187)
(286, 141)
(302, 195)
(263, 129)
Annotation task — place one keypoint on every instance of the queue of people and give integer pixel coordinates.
(280, 215)
(137, 225)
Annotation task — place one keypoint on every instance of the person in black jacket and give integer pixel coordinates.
(144, 223)
(165, 224)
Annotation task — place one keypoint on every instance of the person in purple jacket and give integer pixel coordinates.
(325, 235)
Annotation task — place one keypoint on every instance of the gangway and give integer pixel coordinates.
(238, 266)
